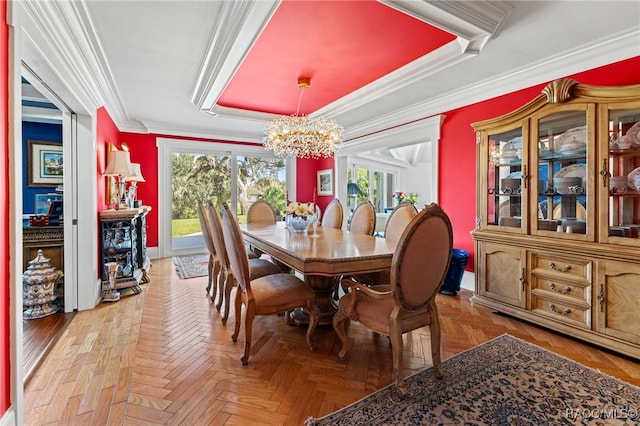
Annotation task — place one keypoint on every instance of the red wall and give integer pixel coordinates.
(457, 162)
(143, 151)
(307, 181)
(5, 366)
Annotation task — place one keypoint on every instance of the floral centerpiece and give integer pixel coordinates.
(300, 216)
(411, 197)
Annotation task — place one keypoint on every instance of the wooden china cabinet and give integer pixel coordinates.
(558, 197)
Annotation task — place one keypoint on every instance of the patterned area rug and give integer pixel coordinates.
(192, 265)
(505, 381)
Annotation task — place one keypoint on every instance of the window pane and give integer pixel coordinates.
(195, 177)
(261, 178)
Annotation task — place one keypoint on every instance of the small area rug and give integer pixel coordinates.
(192, 265)
(505, 381)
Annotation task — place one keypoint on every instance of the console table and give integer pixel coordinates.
(123, 236)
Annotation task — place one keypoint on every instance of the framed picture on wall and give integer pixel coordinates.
(44, 164)
(325, 182)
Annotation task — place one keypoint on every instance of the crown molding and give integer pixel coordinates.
(620, 46)
(474, 22)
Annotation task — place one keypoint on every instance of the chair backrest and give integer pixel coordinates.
(236, 249)
(421, 259)
(363, 220)
(261, 212)
(218, 237)
(398, 220)
(205, 225)
(333, 215)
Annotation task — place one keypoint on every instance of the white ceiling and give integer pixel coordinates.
(147, 59)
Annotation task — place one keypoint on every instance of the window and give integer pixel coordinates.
(193, 170)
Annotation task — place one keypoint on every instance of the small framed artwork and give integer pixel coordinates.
(44, 164)
(325, 182)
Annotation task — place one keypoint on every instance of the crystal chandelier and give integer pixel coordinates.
(303, 136)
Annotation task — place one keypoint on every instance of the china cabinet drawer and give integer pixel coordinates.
(551, 265)
(577, 313)
(571, 291)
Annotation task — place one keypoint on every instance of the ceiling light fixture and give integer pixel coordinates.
(303, 136)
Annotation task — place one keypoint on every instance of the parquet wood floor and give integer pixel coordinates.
(163, 357)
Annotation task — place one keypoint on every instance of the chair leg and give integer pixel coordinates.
(210, 274)
(314, 317)
(214, 277)
(229, 283)
(248, 325)
(221, 283)
(339, 321)
(395, 333)
(238, 309)
(434, 329)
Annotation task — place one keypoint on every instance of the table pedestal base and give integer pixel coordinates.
(324, 288)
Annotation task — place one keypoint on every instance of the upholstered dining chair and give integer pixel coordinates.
(226, 281)
(419, 266)
(213, 268)
(333, 215)
(363, 219)
(266, 295)
(398, 220)
(260, 211)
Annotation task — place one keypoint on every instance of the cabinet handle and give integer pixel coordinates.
(565, 311)
(605, 173)
(525, 176)
(553, 266)
(601, 298)
(565, 290)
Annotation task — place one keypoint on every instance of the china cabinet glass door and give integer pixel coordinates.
(623, 171)
(505, 189)
(561, 186)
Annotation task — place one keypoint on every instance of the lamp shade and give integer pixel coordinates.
(137, 175)
(119, 164)
(353, 189)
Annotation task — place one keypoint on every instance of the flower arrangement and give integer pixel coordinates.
(411, 197)
(297, 209)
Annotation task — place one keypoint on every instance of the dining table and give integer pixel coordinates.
(321, 256)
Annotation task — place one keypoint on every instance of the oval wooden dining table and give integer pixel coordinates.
(322, 256)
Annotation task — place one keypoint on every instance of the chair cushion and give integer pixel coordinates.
(279, 292)
(261, 267)
(375, 313)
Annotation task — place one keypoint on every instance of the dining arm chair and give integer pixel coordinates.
(226, 282)
(363, 219)
(213, 268)
(397, 221)
(333, 215)
(419, 265)
(266, 295)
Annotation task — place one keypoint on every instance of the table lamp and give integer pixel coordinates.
(120, 167)
(353, 191)
(134, 179)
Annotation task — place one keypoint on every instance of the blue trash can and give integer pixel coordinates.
(453, 279)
